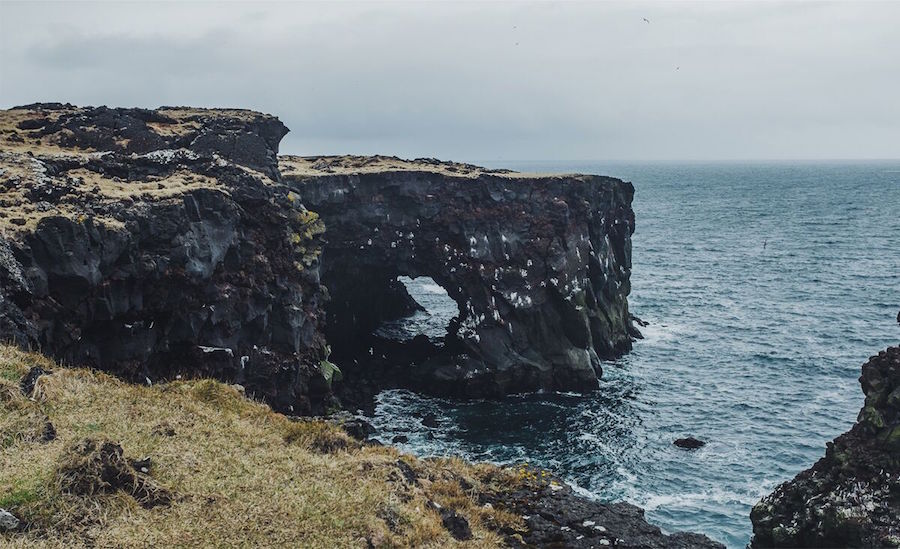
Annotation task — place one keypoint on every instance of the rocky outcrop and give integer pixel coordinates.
(851, 497)
(556, 516)
(157, 243)
(538, 265)
(154, 243)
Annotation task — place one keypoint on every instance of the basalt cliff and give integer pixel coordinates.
(538, 266)
(175, 242)
(159, 243)
(173, 245)
(850, 497)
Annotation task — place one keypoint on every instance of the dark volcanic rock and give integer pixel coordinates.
(155, 243)
(356, 427)
(29, 380)
(539, 267)
(558, 517)
(851, 497)
(455, 523)
(430, 420)
(689, 443)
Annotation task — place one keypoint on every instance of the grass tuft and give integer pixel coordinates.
(223, 471)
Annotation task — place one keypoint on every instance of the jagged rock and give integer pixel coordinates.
(688, 443)
(539, 267)
(356, 427)
(430, 420)
(160, 242)
(456, 524)
(850, 497)
(29, 380)
(152, 243)
(558, 517)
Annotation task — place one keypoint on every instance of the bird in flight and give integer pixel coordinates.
(645, 19)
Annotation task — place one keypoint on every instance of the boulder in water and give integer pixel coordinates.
(689, 443)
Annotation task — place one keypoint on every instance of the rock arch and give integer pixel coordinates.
(539, 265)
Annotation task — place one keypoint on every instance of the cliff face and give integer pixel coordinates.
(153, 243)
(538, 265)
(851, 497)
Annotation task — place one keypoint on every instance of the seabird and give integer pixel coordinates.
(645, 19)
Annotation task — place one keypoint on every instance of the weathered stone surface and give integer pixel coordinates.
(157, 243)
(851, 497)
(8, 521)
(539, 266)
(558, 517)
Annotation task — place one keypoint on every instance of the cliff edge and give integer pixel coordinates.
(87, 460)
(850, 497)
(158, 243)
(538, 265)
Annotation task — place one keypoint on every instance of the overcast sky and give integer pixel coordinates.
(488, 81)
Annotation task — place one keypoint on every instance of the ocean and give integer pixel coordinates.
(766, 286)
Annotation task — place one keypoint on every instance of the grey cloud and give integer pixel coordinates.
(484, 81)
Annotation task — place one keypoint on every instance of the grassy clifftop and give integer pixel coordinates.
(223, 471)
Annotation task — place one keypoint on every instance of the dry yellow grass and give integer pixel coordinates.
(21, 214)
(307, 166)
(240, 475)
(24, 155)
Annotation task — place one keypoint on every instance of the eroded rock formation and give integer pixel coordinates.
(851, 497)
(153, 243)
(539, 266)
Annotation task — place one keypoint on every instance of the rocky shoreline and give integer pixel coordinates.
(158, 243)
(197, 463)
(538, 266)
(167, 245)
(170, 245)
(850, 497)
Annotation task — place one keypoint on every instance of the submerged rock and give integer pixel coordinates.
(850, 497)
(689, 443)
(538, 265)
(430, 420)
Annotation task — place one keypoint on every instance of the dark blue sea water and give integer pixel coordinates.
(766, 286)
